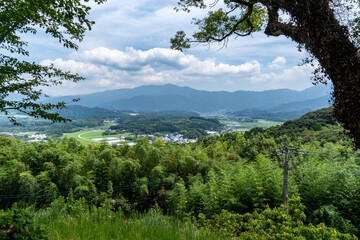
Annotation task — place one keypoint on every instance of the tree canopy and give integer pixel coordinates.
(65, 20)
(327, 29)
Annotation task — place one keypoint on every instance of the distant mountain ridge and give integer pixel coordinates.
(151, 98)
(286, 111)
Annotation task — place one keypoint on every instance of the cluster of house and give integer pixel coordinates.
(176, 138)
(171, 138)
(109, 121)
(37, 138)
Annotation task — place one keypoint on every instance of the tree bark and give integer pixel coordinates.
(315, 25)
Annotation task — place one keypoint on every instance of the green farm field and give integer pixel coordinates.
(76, 136)
(249, 125)
(107, 125)
(85, 137)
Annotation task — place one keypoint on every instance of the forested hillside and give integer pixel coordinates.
(190, 127)
(229, 185)
(86, 117)
(319, 125)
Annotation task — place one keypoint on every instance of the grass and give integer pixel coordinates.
(102, 224)
(86, 136)
(92, 134)
(107, 125)
(76, 136)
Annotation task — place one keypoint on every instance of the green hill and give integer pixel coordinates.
(318, 125)
(190, 127)
(315, 121)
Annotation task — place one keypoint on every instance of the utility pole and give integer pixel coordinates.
(286, 151)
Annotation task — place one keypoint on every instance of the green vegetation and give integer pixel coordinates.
(66, 21)
(85, 137)
(106, 224)
(271, 115)
(246, 125)
(19, 224)
(190, 127)
(76, 135)
(271, 224)
(76, 221)
(50, 129)
(310, 121)
(92, 134)
(229, 185)
(85, 118)
(319, 125)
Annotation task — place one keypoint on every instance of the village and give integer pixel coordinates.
(121, 140)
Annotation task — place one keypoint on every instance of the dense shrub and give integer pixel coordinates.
(19, 224)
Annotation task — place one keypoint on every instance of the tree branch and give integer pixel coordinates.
(233, 30)
(246, 3)
(276, 28)
(15, 25)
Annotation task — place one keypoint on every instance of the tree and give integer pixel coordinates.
(65, 20)
(328, 29)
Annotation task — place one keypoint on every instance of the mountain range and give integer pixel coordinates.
(153, 98)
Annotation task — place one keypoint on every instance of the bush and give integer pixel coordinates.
(19, 224)
(271, 224)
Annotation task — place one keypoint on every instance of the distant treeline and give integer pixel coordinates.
(85, 117)
(190, 127)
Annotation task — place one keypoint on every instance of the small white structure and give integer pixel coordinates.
(114, 142)
(212, 133)
(98, 139)
(38, 136)
(109, 121)
(166, 139)
(111, 138)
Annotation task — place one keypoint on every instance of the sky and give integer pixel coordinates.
(129, 46)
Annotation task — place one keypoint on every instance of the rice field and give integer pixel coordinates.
(244, 126)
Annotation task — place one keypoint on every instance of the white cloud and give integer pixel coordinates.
(209, 67)
(107, 69)
(278, 63)
(163, 58)
(132, 58)
(81, 68)
(229, 82)
(257, 62)
(294, 78)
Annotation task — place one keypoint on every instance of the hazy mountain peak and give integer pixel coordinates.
(172, 97)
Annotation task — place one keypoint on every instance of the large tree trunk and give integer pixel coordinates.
(321, 33)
